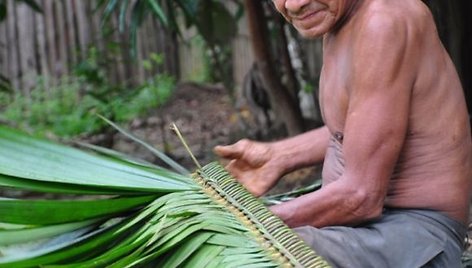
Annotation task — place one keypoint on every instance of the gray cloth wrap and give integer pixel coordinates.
(401, 238)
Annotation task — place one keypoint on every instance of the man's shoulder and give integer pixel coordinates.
(412, 13)
(393, 20)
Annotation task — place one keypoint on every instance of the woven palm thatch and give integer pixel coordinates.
(136, 214)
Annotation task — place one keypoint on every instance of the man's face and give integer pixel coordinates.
(312, 18)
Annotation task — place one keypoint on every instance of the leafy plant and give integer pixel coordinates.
(212, 19)
(71, 107)
(136, 214)
(60, 110)
(123, 103)
(153, 93)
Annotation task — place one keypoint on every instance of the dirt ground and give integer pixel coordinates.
(206, 117)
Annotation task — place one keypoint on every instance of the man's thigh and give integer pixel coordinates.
(399, 239)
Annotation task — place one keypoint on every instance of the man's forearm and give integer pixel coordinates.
(334, 204)
(303, 150)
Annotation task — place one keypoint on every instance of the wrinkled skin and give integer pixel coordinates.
(396, 128)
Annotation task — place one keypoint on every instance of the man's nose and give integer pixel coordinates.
(294, 6)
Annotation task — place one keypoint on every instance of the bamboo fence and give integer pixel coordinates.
(52, 43)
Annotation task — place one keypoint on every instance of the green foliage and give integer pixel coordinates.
(212, 19)
(59, 109)
(71, 107)
(215, 22)
(149, 216)
(153, 93)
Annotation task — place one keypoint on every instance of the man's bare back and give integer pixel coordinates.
(433, 170)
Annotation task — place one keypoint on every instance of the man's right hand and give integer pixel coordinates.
(253, 164)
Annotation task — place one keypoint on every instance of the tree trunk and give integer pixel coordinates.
(282, 103)
(292, 83)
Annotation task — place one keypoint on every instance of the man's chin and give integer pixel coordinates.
(310, 33)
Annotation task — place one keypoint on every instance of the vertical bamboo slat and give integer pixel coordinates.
(94, 26)
(242, 58)
(83, 32)
(60, 39)
(3, 50)
(26, 56)
(50, 45)
(40, 44)
(148, 31)
(13, 49)
(127, 62)
(139, 57)
(172, 50)
(121, 70)
(70, 34)
(159, 48)
(27, 48)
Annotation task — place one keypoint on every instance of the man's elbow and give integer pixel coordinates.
(364, 206)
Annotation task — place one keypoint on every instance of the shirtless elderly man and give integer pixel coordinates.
(396, 145)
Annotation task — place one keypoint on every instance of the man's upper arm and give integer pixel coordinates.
(380, 90)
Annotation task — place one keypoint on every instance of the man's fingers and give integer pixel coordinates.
(234, 151)
(233, 168)
(230, 169)
(226, 152)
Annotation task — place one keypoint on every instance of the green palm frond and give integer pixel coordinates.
(136, 214)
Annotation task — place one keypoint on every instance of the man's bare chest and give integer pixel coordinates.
(334, 96)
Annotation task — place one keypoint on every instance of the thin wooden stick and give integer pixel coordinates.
(174, 128)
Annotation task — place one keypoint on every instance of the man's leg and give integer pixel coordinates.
(401, 238)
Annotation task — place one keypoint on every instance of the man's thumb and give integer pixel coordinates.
(228, 151)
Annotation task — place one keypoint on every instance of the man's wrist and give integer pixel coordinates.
(283, 157)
